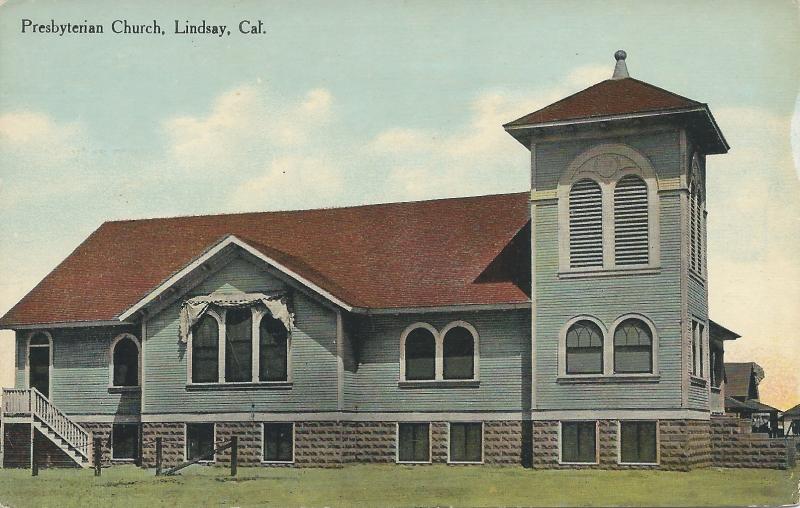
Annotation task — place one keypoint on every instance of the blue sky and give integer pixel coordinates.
(357, 102)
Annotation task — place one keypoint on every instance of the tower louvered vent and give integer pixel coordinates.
(585, 225)
(631, 242)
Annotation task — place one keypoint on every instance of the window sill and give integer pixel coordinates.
(716, 389)
(616, 378)
(451, 383)
(276, 462)
(267, 385)
(124, 389)
(603, 272)
(697, 381)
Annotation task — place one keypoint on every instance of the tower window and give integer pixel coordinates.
(631, 227)
(585, 225)
(584, 348)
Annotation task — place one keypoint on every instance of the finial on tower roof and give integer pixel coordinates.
(620, 70)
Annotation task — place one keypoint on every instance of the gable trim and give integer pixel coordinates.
(228, 240)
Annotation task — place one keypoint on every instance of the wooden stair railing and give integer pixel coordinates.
(72, 433)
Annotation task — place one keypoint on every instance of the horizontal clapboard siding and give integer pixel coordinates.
(504, 366)
(313, 350)
(80, 374)
(656, 295)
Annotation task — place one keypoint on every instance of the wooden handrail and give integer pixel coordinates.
(16, 401)
(59, 423)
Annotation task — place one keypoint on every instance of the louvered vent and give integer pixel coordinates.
(631, 230)
(695, 230)
(585, 225)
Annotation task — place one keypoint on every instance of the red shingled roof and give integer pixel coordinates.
(608, 98)
(416, 254)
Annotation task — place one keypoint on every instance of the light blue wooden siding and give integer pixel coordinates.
(504, 365)
(19, 361)
(660, 148)
(313, 360)
(80, 374)
(656, 296)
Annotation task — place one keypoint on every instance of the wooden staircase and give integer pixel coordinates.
(50, 422)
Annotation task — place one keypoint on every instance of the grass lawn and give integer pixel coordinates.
(398, 486)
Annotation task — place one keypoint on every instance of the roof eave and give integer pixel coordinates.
(523, 132)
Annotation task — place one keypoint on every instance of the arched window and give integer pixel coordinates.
(420, 355)
(39, 361)
(205, 350)
(125, 361)
(585, 224)
(273, 350)
(584, 348)
(633, 347)
(459, 354)
(239, 344)
(631, 227)
(696, 218)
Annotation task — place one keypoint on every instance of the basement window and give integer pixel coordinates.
(466, 442)
(413, 442)
(278, 442)
(125, 441)
(579, 442)
(200, 441)
(638, 442)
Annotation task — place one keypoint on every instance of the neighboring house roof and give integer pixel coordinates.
(608, 98)
(760, 407)
(717, 331)
(735, 406)
(793, 413)
(738, 377)
(397, 255)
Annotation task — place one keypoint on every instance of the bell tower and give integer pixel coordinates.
(619, 289)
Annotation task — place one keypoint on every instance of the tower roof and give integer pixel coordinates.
(619, 98)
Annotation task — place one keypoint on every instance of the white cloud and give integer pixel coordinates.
(245, 127)
(36, 151)
(477, 157)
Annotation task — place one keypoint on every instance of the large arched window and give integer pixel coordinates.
(633, 347)
(631, 228)
(273, 351)
(584, 348)
(608, 211)
(239, 345)
(458, 347)
(125, 361)
(205, 350)
(420, 355)
(585, 224)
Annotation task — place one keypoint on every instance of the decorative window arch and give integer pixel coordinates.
(629, 347)
(427, 354)
(635, 345)
(696, 217)
(608, 211)
(124, 362)
(584, 342)
(239, 345)
(39, 339)
(460, 351)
